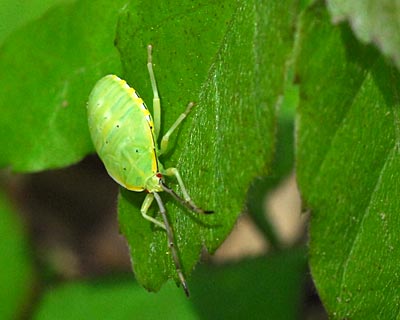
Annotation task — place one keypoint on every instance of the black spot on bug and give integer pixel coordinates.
(137, 150)
(124, 169)
(117, 125)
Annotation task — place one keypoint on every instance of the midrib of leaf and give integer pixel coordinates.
(390, 156)
(367, 211)
(325, 162)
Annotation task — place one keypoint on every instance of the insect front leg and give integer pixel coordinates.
(156, 98)
(165, 138)
(145, 207)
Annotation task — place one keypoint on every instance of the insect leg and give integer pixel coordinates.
(171, 243)
(187, 201)
(165, 138)
(145, 207)
(156, 99)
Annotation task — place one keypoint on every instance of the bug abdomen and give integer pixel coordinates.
(122, 132)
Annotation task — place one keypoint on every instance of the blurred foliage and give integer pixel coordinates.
(17, 275)
(225, 292)
(54, 60)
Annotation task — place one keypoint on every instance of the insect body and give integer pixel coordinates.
(125, 137)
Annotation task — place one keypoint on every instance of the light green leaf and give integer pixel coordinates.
(49, 67)
(348, 165)
(219, 54)
(16, 13)
(373, 21)
(117, 300)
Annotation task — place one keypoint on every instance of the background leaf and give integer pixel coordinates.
(114, 299)
(223, 59)
(51, 65)
(372, 21)
(15, 14)
(239, 291)
(348, 168)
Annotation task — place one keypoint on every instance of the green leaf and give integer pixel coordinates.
(16, 13)
(16, 276)
(112, 300)
(49, 67)
(348, 166)
(218, 54)
(373, 21)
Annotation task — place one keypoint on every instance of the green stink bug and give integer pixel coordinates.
(125, 138)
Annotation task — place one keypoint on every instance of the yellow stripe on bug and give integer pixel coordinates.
(136, 189)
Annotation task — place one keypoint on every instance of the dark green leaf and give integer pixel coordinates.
(230, 58)
(348, 166)
(262, 288)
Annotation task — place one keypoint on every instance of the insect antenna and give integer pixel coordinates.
(187, 203)
(171, 243)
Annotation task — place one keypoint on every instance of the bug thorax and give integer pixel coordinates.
(153, 184)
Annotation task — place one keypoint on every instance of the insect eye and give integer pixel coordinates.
(159, 175)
